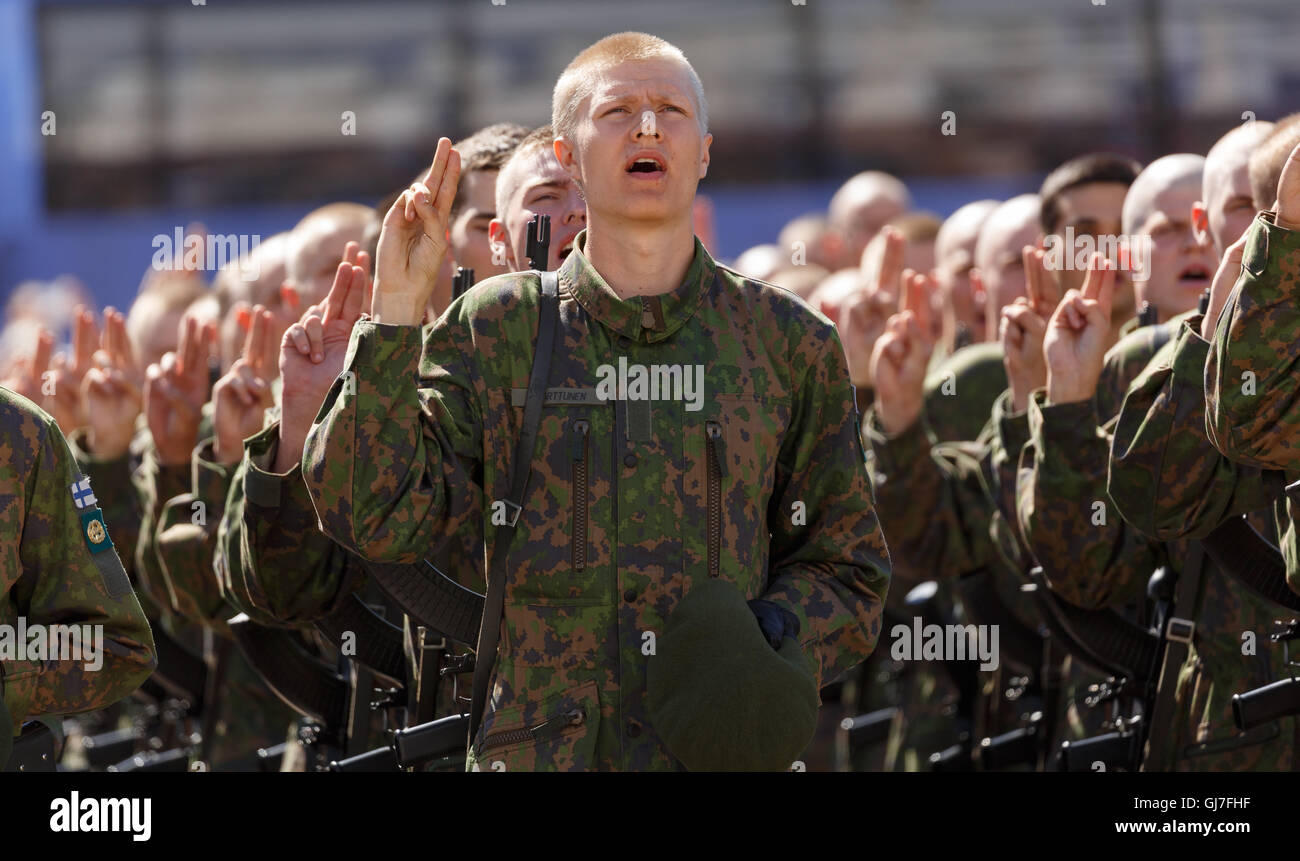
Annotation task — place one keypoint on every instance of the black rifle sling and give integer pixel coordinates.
(520, 471)
(1178, 638)
(1249, 557)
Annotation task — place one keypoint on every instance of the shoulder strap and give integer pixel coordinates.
(1178, 634)
(520, 471)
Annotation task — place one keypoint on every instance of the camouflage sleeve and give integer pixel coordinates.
(186, 540)
(155, 484)
(1006, 436)
(1252, 373)
(391, 463)
(111, 480)
(273, 562)
(1088, 553)
(933, 504)
(1165, 477)
(832, 573)
(72, 576)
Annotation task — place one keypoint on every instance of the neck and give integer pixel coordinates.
(638, 261)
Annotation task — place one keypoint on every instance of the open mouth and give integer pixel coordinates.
(647, 164)
(565, 250)
(1195, 274)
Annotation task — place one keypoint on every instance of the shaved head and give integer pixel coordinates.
(954, 257)
(863, 205)
(1007, 230)
(1225, 187)
(1176, 267)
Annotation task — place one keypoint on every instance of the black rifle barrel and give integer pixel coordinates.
(444, 737)
(539, 242)
(1266, 704)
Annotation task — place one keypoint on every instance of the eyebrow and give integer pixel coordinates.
(557, 185)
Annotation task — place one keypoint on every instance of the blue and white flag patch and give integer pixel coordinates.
(81, 493)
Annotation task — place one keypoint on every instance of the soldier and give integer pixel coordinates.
(1166, 478)
(861, 207)
(1099, 560)
(677, 503)
(954, 258)
(59, 568)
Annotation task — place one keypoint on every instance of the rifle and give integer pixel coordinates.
(1272, 701)
(33, 750)
(539, 242)
(461, 281)
(378, 641)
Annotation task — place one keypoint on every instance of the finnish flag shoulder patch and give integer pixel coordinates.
(82, 496)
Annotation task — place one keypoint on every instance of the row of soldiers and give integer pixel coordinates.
(1083, 446)
(1017, 407)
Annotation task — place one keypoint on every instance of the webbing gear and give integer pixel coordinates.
(520, 471)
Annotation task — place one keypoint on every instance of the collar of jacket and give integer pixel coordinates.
(647, 319)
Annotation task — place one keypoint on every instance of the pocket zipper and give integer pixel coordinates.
(716, 469)
(578, 488)
(571, 718)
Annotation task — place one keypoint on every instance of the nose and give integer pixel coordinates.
(648, 125)
(576, 211)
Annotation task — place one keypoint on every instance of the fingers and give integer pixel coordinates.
(44, 349)
(186, 350)
(356, 295)
(266, 349)
(84, 339)
(316, 337)
(446, 192)
(297, 336)
(350, 252)
(1105, 294)
(253, 386)
(891, 261)
(916, 299)
(1034, 272)
(335, 299)
(250, 340)
(363, 260)
(1288, 192)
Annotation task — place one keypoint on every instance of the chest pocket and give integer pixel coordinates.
(730, 451)
(561, 549)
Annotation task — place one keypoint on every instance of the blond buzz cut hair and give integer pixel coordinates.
(577, 81)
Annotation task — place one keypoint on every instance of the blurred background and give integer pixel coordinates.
(230, 113)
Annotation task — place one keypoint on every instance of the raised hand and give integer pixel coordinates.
(1078, 336)
(413, 242)
(863, 319)
(64, 400)
(241, 397)
(901, 357)
(111, 390)
(1225, 278)
(26, 377)
(175, 390)
(1022, 327)
(312, 353)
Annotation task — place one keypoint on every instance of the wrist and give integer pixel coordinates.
(107, 446)
(227, 453)
(1068, 391)
(398, 308)
(289, 451)
(896, 419)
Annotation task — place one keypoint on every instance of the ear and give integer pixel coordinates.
(704, 155)
(1201, 223)
(566, 155)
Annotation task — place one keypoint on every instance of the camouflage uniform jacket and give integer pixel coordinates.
(1251, 412)
(58, 566)
(1093, 558)
(630, 500)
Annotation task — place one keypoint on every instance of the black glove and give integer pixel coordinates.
(776, 621)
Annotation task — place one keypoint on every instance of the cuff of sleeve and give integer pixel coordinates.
(384, 357)
(211, 480)
(1268, 245)
(1072, 422)
(894, 452)
(168, 481)
(1190, 354)
(1013, 427)
(262, 487)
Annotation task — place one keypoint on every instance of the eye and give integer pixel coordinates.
(615, 110)
(674, 108)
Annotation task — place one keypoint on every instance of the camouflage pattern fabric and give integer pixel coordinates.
(1094, 558)
(630, 501)
(58, 566)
